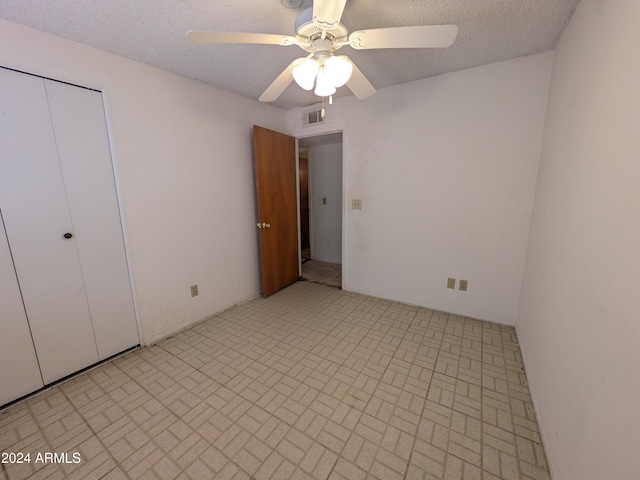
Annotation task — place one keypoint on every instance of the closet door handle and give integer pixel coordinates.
(67, 235)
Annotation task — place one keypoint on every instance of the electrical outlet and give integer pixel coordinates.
(356, 204)
(451, 282)
(194, 290)
(463, 285)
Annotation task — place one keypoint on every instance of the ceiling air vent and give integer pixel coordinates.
(312, 117)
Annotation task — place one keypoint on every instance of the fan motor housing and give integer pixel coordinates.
(306, 28)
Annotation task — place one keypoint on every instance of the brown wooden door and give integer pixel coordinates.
(275, 163)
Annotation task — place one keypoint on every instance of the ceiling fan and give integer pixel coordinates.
(319, 32)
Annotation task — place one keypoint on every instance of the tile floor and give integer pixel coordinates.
(311, 383)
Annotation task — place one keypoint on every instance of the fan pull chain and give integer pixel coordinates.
(322, 112)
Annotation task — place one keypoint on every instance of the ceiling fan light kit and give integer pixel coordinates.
(327, 73)
(319, 32)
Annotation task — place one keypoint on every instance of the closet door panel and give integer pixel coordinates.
(36, 215)
(19, 371)
(85, 157)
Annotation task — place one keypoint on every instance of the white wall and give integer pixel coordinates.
(446, 170)
(183, 150)
(579, 321)
(325, 181)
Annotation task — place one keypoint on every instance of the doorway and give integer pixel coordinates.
(305, 241)
(321, 208)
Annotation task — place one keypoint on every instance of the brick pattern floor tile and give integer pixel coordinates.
(310, 383)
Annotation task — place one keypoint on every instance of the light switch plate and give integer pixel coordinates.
(463, 285)
(451, 282)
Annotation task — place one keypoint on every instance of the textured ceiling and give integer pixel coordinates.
(153, 32)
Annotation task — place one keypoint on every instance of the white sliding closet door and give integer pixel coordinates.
(83, 147)
(19, 372)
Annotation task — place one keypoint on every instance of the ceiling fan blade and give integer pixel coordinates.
(359, 85)
(281, 82)
(327, 13)
(235, 37)
(426, 36)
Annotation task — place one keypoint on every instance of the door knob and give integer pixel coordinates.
(67, 235)
(264, 225)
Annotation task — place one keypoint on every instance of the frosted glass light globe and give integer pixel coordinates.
(305, 73)
(339, 69)
(324, 84)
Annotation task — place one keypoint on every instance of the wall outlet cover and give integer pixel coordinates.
(194, 290)
(463, 285)
(451, 282)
